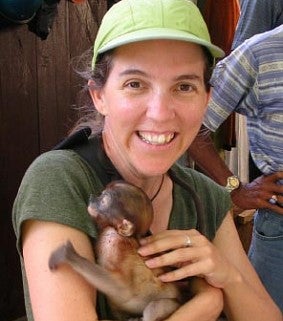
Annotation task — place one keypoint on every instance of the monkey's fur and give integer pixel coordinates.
(123, 213)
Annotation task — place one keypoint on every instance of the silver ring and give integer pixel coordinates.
(188, 242)
(273, 199)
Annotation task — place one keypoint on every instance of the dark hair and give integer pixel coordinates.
(209, 65)
(88, 115)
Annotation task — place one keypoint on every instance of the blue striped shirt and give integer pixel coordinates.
(250, 82)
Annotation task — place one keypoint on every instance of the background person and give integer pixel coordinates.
(256, 16)
(250, 82)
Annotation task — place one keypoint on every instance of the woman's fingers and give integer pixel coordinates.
(182, 249)
(172, 258)
(191, 253)
(167, 240)
(190, 269)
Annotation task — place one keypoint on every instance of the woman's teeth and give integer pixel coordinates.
(156, 139)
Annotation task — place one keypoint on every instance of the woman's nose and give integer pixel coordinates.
(160, 107)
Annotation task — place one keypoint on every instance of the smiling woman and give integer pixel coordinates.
(149, 89)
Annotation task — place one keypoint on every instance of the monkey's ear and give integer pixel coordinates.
(125, 228)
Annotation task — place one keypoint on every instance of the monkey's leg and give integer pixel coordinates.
(159, 310)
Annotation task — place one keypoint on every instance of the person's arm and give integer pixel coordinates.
(245, 298)
(205, 155)
(205, 305)
(223, 263)
(253, 195)
(62, 295)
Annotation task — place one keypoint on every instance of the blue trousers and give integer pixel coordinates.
(266, 252)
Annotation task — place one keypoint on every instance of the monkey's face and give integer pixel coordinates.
(123, 206)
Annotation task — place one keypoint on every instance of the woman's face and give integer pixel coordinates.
(153, 102)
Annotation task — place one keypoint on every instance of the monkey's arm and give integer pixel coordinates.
(118, 289)
(93, 273)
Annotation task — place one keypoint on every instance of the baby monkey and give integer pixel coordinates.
(123, 213)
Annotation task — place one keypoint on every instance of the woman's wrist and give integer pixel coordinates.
(234, 279)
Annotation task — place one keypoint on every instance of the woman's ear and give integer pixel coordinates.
(208, 95)
(97, 98)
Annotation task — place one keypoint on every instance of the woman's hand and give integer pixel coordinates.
(223, 264)
(191, 252)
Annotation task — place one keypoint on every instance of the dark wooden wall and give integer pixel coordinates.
(37, 94)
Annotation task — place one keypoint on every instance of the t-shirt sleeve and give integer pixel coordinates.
(56, 187)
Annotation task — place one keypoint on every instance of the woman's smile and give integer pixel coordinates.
(156, 139)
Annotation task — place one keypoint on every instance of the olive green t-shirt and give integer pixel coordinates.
(57, 186)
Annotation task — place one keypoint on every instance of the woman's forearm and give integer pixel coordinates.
(206, 304)
(243, 303)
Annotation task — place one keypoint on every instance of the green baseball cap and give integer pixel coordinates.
(131, 21)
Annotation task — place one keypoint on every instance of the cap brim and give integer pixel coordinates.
(161, 33)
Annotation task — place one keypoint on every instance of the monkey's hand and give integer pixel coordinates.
(63, 254)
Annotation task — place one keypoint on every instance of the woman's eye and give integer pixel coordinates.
(134, 84)
(185, 87)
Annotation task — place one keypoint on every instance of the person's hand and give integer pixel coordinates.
(191, 252)
(263, 192)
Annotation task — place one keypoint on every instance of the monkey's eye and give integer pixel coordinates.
(105, 201)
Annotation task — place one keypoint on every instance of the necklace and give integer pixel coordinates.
(159, 189)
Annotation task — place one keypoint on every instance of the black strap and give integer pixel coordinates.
(201, 221)
(74, 140)
(88, 148)
(91, 150)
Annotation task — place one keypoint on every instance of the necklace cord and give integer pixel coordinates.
(159, 189)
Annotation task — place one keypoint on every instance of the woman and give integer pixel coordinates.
(149, 83)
